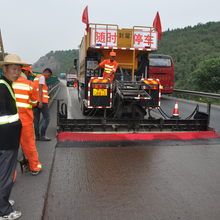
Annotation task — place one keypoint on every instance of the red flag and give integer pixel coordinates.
(157, 24)
(85, 18)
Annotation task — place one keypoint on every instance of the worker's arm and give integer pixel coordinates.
(40, 96)
(100, 65)
(110, 75)
(97, 67)
(33, 94)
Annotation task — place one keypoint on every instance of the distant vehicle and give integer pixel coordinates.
(71, 78)
(63, 75)
(161, 67)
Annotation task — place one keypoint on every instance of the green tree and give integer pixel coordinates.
(207, 78)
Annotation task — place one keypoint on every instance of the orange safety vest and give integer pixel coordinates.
(109, 67)
(26, 98)
(45, 96)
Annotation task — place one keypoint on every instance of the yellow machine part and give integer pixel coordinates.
(124, 58)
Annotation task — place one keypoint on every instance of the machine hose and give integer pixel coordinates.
(64, 110)
(94, 109)
(166, 116)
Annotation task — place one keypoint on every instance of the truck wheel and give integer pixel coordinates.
(67, 84)
(82, 106)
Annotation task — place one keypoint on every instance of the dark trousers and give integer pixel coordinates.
(8, 160)
(46, 115)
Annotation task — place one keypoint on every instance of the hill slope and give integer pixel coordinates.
(58, 61)
(189, 47)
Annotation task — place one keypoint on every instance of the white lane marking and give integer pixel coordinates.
(69, 108)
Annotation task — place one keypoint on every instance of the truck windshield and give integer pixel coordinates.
(160, 62)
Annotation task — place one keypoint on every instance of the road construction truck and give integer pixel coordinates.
(125, 102)
(131, 92)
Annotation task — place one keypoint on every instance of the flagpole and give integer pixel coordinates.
(1, 44)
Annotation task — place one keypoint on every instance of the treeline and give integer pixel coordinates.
(190, 48)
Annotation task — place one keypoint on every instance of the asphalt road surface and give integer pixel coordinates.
(81, 182)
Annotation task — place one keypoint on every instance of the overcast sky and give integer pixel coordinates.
(31, 28)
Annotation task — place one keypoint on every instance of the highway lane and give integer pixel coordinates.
(73, 103)
(127, 183)
(140, 182)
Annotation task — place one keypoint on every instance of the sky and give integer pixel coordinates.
(31, 29)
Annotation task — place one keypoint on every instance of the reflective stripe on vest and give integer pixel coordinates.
(9, 88)
(33, 102)
(109, 68)
(21, 96)
(22, 86)
(45, 96)
(22, 99)
(23, 105)
(9, 118)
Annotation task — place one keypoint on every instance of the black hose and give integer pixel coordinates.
(97, 104)
(64, 109)
(165, 115)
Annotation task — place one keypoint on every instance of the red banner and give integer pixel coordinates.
(157, 24)
(85, 18)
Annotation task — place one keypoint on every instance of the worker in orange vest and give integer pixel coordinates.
(26, 98)
(42, 105)
(109, 65)
(76, 82)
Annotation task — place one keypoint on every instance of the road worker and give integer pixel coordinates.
(109, 65)
(42, 105)
(26, 97)
(76, 82)
(10, 130)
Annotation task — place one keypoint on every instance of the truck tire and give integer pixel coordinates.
(67, 84)
(82, 106)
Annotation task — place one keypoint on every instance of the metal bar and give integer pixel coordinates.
(200, 94)
(54, 87)
(95, 35)
(1, 44)
(150, 36)
(129, 64)
(132, 78)
(135, 126)
(106, 35)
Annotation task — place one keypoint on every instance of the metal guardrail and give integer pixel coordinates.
(53, 87)
(195, 93)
